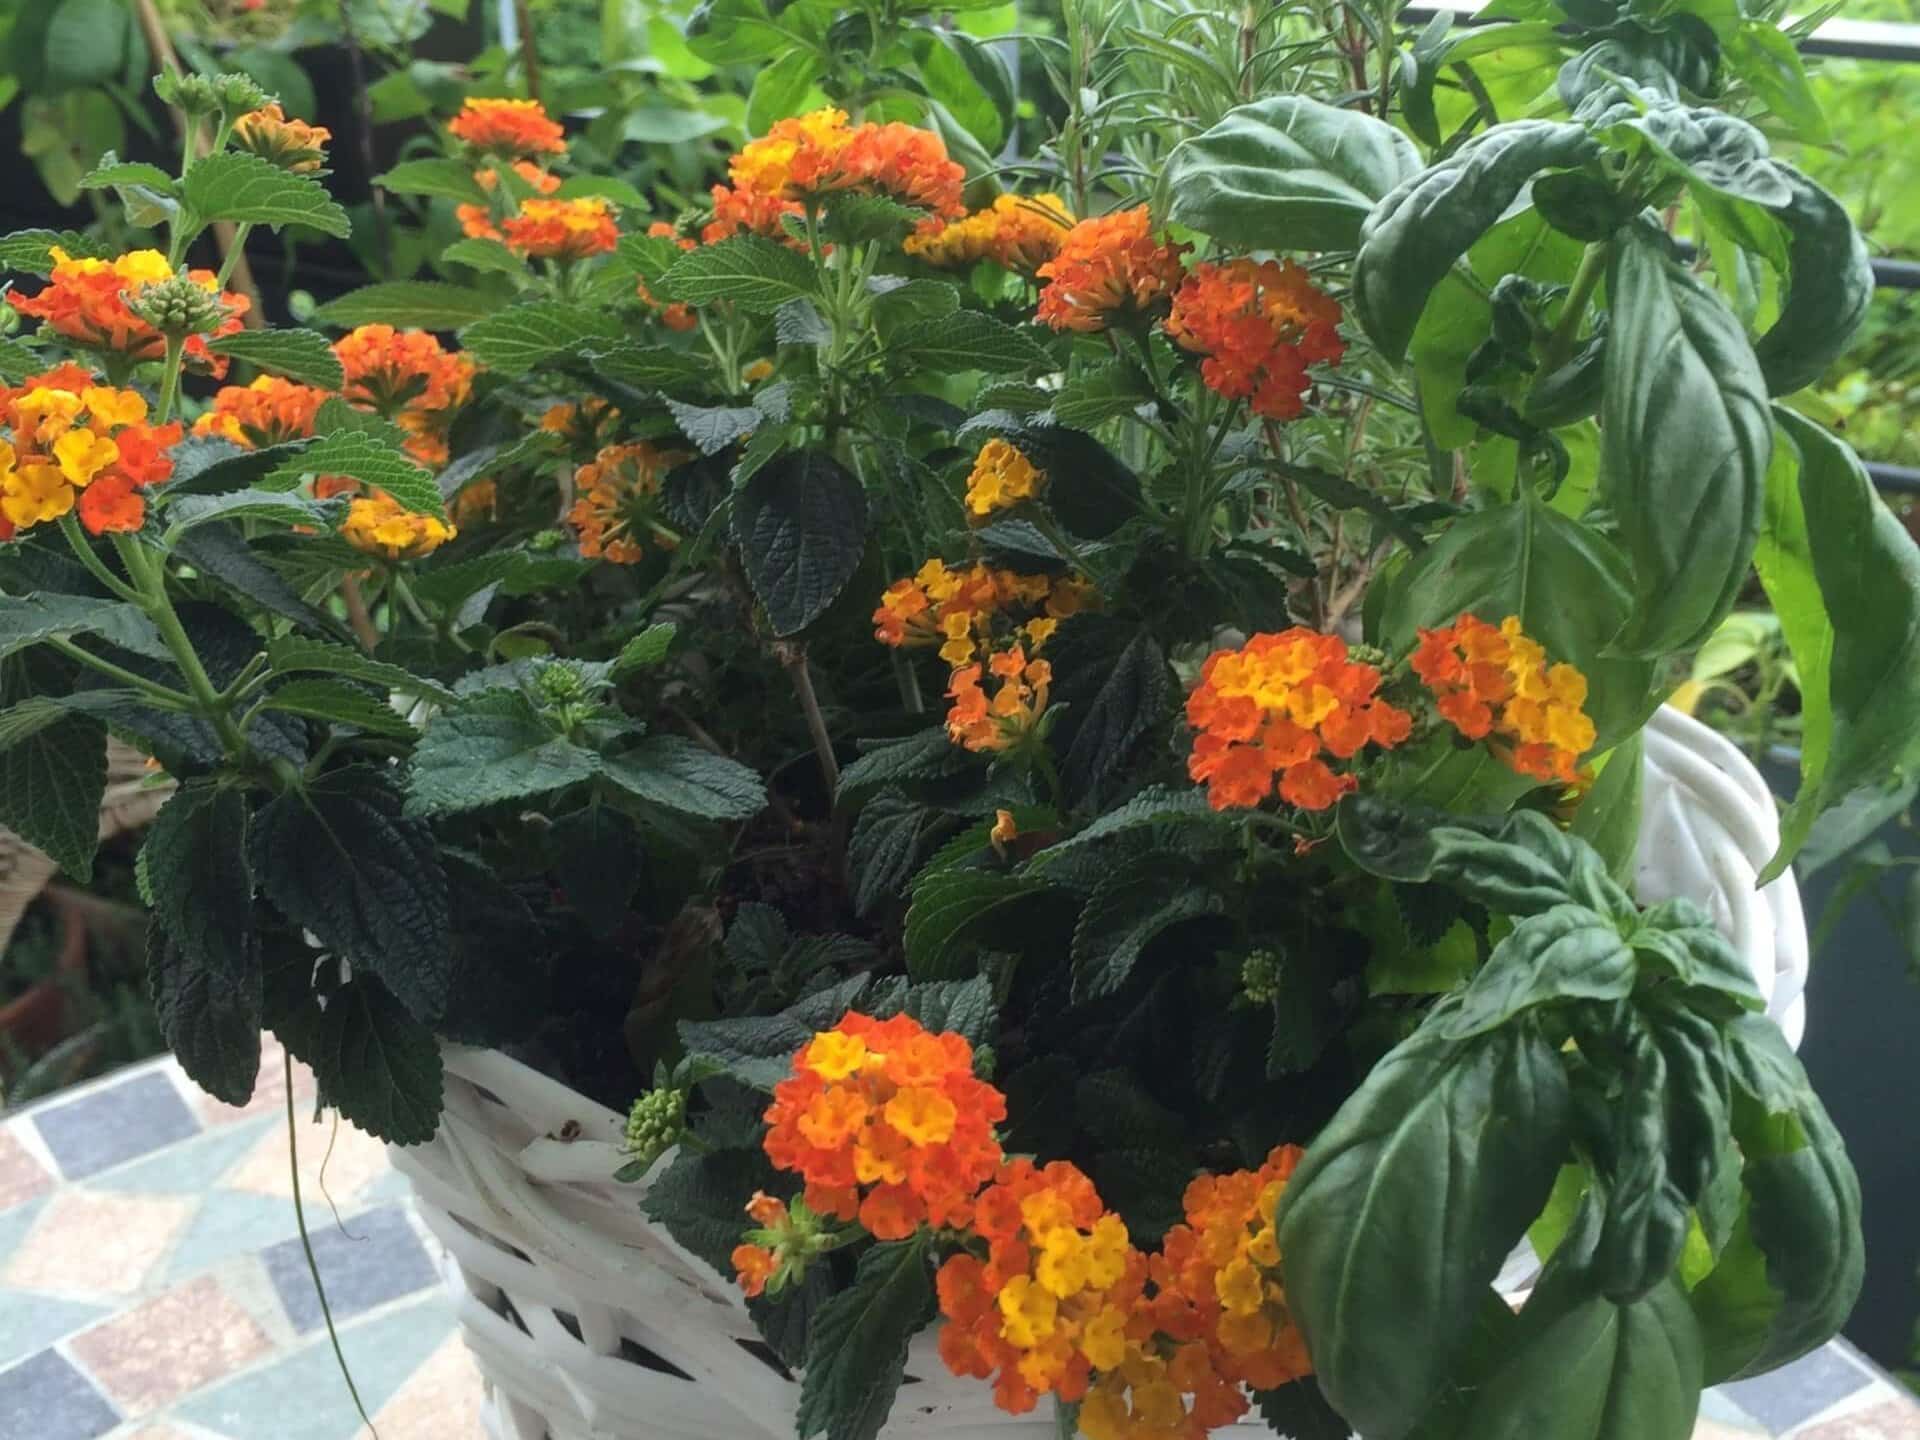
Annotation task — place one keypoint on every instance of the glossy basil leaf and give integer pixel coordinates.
(1867, 569)
(780, 89)
(1451, 1149)
(1286, 173)
(1704, 147)
(1428, 221)
(1686, 442)
(1609, 818)
(1828, 292)
(1566, 953)
(1768, 60)
(1513, 560)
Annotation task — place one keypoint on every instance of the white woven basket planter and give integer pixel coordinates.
(590, 1323)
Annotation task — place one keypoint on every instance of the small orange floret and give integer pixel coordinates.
(508, 127)
(1107, 266)
(1260, 325)
(1495, 681)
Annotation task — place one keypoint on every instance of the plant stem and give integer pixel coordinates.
(235, 250)
(150, 575)
(154, 691)
(77, 541)
(357, 616)
(793, 659)
(1593, 265)
(170, 377)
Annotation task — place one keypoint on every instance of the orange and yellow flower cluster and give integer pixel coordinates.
(1259, 324)
(955, 608)
(291, 144)
(564, 230)
(806, 158)
(516, 129)
(1019, 232)
(1046, 1293)
(988, 723)
(886, 1122)
(1266, 714)
(478, 222)
(85, 301)
(614, 498)
(73, 443)
(1002, 477)
(380, 525)
(1108, 267)
(1496, 681)
(270, 411)
(410, 378)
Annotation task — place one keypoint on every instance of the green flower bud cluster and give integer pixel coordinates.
(1260, 976)
(657, 1123)
(231, 96)
(543, 542)
(562, 683)
(178, 307)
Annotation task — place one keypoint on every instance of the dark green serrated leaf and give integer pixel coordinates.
(514, 340)
(302, 355)
(451, 179)
(857, 1345)
(419, 304)
(1124, 916)
(801, 525)
(209, 1021)
(50, 787)
(751, 272)
(927, 755)
(951, 908)
(373, 1061)
(295, 652)
(598, 855)
(678, 775)
(339, 703)
(201, 884)
(495, 747)
(27, 620)
(368, 460)
(968, 340)
(247, 189)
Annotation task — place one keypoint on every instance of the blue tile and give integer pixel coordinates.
(47, 1398)
(115, 1124)
(30, 1322)
(1790, 1396)
(304, 1398)
(230, 1223)
(15, 1223)
(192, 1168)
(378, 1258)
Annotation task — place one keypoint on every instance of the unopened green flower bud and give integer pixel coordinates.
(656, 1124)
(1260, 977)
(191, 94)
(562, 683)
(1367, 655)
(239, 94)
(178, 307)
(543, 542)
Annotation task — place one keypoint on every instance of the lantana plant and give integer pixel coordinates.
(1070, 727)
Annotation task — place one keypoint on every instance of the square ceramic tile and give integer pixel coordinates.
(336, 1159)
(115, 1123)
(171, 1346)
(47, 1399)
(1796, 1393)
(1893, 1419)
(376, 1258)
(440, 1402)
(90, 1244)
(30, 1322)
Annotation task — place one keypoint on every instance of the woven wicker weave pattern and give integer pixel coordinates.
(590, 1323)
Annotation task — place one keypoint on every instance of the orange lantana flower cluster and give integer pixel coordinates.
(1108, 266)
(291, 144)
(270, 411)
(887, 1122)
(380, 525)
(990, 722)
(69, 442)
(85, 301)
(673, 313)
(1273, 708)
(478, 222)
(1490, 681)
(515, 128)
(1046, 1293)
(954, 608)
(1020, 232)
(1260, 324)
(561, 229)
(408, 377)
(614, 498)
(806, 157)
(1002, 477)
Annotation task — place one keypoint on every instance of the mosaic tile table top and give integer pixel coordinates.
(152, 1286)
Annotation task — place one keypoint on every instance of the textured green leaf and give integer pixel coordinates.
(50, 788)
(801, 525)
(1768, 60)
(780, 89)
(644, 650)
(200, 882)
(208, 466)
(1828, 292)
(339, 859)
(451, 179)
(481, 254)
(882, 848)
(188, 512)
(924, 755)
(678, 775)
(514, 340)
(697, 1197)
(112, 172)
(245, 188)
(753, 273)
(1108, 718)
(368, 460)
(293, 652)
(1568, 952)
(857, 1345)
(418, 304)
(758, 1050)
(954, 907)
(713, 429)
(1429, 220)
(1452, 1150)
(1286, 172)
(33, 619)
(597, 860)
(222, 553)
(339, 703)
(210, 1022)
(968, 340)
(374, 1062)
(964, 1007)
(494, 747)
(1155, 805)
(652, 367)
(1124, 916)
(302, 355)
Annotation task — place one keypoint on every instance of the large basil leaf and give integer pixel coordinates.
(1857, 642)
(1286, 173)
(1427, 222)
(1828, 292)
(1405, 1206)
(1686, 441)
(1515, 560)
(1566, 953)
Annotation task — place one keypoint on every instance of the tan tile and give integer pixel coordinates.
(1897, 1419)
(87, 1243)
(171, 1346)
(440, 1402)
(357, 1160)
(269, 1089)
(21, 1176)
